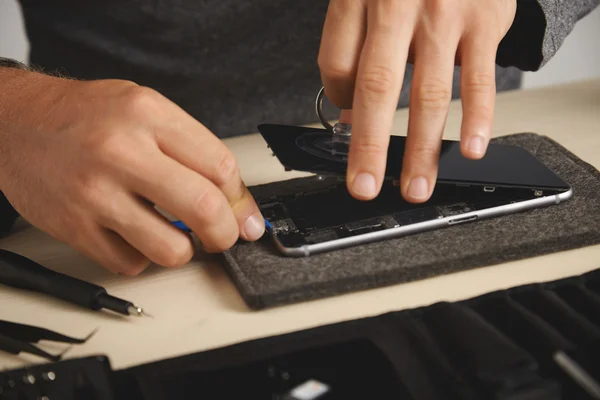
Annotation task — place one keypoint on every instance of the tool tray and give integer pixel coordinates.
(537, 341)
(527, 342)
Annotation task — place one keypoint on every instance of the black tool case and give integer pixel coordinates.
(539, 341)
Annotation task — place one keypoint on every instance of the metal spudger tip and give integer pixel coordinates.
(138, 311)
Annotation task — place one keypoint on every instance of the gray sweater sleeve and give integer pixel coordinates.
(539, 30)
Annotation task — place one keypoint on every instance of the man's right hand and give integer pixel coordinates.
(85, 161)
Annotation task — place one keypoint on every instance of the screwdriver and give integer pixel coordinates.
(182, 226)
(20, 272)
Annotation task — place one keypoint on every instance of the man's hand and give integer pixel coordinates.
(85, 161)
(365, 47)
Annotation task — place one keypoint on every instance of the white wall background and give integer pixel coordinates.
(13, 43)
(579, 58)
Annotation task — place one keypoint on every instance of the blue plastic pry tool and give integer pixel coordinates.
(185, 228)
(181, 225)
(268, 224)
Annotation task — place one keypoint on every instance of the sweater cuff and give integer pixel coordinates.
(539, 30)
(522, 47)
(8, 216)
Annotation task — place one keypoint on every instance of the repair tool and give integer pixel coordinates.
(18, 338)
(20, 272)
(182, 226)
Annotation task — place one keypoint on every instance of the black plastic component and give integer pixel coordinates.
(301, 149)
(330, 213)
(80, 379)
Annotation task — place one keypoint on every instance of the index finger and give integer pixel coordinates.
(194, 146)
(378, 85)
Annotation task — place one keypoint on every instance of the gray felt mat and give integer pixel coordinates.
(266, 279)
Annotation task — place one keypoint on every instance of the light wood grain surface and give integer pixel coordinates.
(197, 308)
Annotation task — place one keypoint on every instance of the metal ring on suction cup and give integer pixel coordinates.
(319, 109)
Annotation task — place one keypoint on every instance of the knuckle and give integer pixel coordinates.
(175, 253)
(111, 213)
(433, 96)
(376, 80)
(112, 147)
(392, 8)
(227, 169)
(91, 193)
(100, 203)
(422, 152)
(107, 146)
(335, 69)
(341, 9)
(343, 5)
(210, 206)
(133, 267)
(76, 231)
(479, 83)
(369, 146)
(479, 110)
(385, 14)
(127, 263)
(141, 100)
(439, 7)
(219, 245)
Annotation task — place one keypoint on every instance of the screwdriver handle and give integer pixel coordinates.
(22, 273)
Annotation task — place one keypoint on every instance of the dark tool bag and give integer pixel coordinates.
(538, 341)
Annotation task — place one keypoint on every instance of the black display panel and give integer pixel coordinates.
(299, 148)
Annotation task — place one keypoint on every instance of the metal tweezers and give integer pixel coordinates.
(18, 338)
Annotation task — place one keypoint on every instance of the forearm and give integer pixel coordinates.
(21, 91)
(539, 30)
(13, 76)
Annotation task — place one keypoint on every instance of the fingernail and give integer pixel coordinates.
(418, 188)
(254, 227)
(477, 145)
(364, 185)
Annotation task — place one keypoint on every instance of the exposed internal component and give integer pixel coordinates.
(330, 213)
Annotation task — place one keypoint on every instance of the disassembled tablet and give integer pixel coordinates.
(327, 219)
(507, 180)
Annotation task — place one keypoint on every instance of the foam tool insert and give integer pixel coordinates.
(266, 278)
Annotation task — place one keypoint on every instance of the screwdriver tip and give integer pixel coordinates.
(138, 311)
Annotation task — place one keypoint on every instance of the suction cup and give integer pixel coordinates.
(333, 147)
(322, 145)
